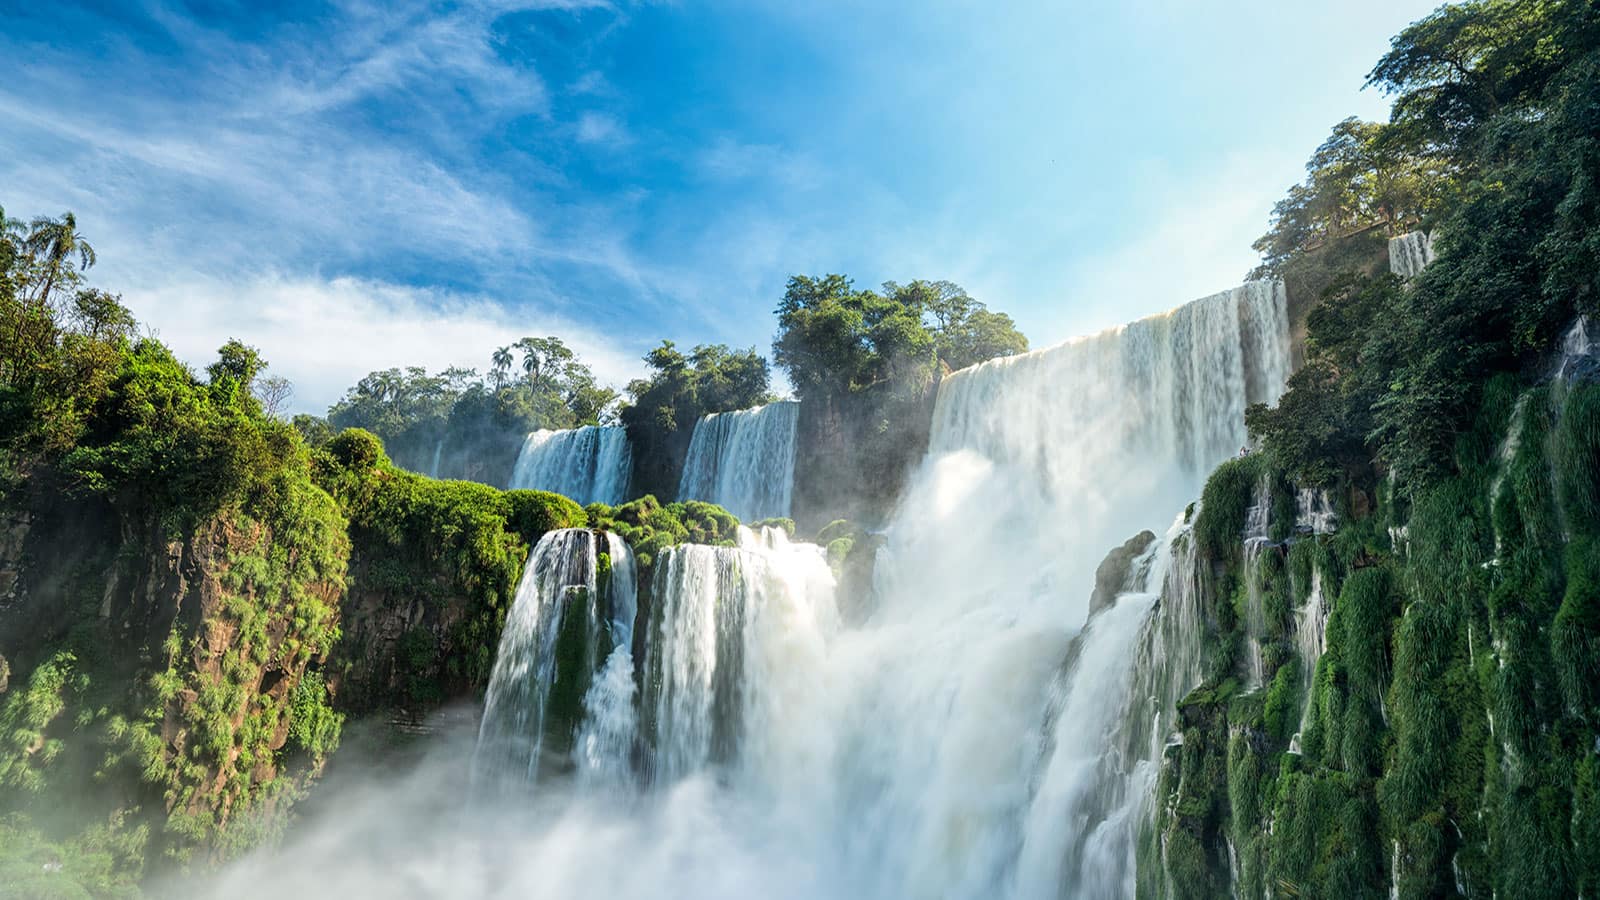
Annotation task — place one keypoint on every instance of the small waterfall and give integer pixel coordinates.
(573, 608)
(1115, 713)
(438, 451)
(1313, 512)
(1410, 253)
(743, 461)
(591, 464)
(1580, 352)
(1258, 522)
(735, 635)
(1310, 640)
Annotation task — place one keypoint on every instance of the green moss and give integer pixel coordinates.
(1225, 505)
(1575, 458)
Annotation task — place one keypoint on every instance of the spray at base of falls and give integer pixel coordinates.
(591, 464)
(743, 461)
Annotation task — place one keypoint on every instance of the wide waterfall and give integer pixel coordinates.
(591, 464)
(977, 734)
(574, 609)
(744, 461)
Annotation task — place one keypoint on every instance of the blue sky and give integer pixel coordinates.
(357, 185)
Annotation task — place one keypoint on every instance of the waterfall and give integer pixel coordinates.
(1123, 426)
(734, 635)
(743, 461)
(438, 451)
(591, 464)
(977, 734)
(1037, 464)
(1114, 713)
(1580, 352)
(1410, 253)
(1258, 520)
(574, 605)
(1313, 511)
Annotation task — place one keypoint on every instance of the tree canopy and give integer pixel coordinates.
(1495, 122)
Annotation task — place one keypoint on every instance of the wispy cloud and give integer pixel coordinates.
(600, 128)
(317, 332)
(335, 155)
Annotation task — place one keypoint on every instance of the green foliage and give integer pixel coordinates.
(1363, 176)
(480, 417)
(1494, 103)
(451, 542)
(105, 861)
(1224, 505)
(313, 725)
(28, 744)
(649, 527)
(663, 408)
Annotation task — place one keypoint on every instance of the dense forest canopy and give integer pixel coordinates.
(1494, 145)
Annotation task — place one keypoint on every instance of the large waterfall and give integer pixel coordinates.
(591, 464)
(744, 461)
(978, 734)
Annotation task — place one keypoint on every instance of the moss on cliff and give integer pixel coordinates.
(434, 567)
(1447, 745)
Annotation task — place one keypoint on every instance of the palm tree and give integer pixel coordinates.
(54, 242)
(502, 364)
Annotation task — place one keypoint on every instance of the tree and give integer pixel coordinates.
(54, 245)
(101, 315)
(835, 340)
(544, 360)
(664, 407)
(1364, 175)
(238, 362)
(502, 359)
(274, 393)
(1458, 68)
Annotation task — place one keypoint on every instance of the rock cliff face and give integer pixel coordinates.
(1405, 705)
(178, 672)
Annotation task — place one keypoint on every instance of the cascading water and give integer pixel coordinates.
(744, 461)
(438, 453)
(734, 634)
(573, 609)
(591, 464)
(1580, 352)
(1313, 511)
(973, 736)
(1410, 253)
(1256, 542)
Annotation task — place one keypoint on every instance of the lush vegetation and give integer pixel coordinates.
(182, 567)
(181, 582)
(867, 364)
(1493, 145)
(1444, 742)
(461, 423)
(436, 560)
(679, 389)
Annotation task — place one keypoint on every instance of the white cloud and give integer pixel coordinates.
(600, 128)
(734, 160)
(324, 335)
